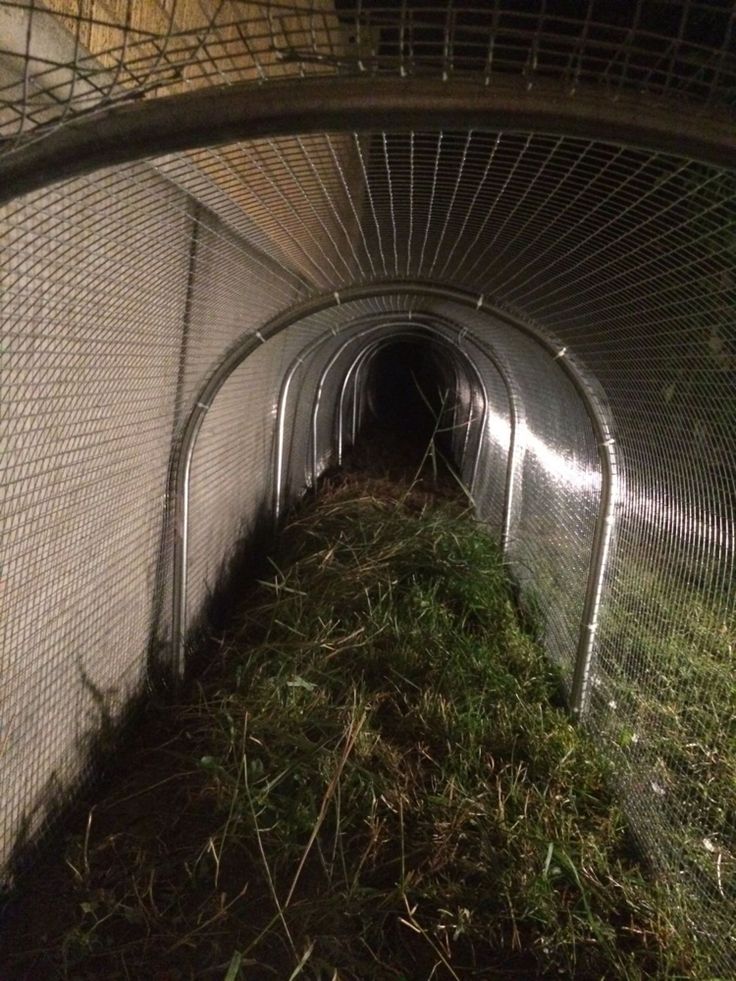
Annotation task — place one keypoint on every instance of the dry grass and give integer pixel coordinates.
(375, 778)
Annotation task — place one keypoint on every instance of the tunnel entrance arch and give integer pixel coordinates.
(590, 398)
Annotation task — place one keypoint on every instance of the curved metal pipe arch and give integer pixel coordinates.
(428, 323)
(351, 374)
(419, 331)
(371, 325)
(515, 414)
(597, 411)
(300, 359)
(246, 110)
(422, 324)
(368, 356)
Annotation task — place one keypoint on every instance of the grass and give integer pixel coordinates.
(376, 777)
(677, 643)
(669, 700)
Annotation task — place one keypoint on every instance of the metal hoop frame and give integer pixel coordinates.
(385, 322)
(591, 399)
(416, 332)
(422, 321)
(419, 333)
(369, 355)
(354, 370)
(515, 416)
(248, 110)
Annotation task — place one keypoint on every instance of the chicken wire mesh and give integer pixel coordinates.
(122, 291)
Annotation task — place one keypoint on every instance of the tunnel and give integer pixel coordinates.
(239, 238)
(405, 381)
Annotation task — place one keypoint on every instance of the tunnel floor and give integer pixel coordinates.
(368, 779)
(398, 457)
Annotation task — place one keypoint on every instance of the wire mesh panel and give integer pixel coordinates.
(315, 395)
(559, 502)
(91, 344)
(366, 344)
(292, 201)
(295, 394)
(233, 466)
(664, 701)
(65, 58)
(556, 482)
(231, 291)
(231, 471)
(123, 291)
(665, 695)
(493, 495)
(479, 414)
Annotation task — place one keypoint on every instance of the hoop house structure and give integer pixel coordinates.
(217, 214)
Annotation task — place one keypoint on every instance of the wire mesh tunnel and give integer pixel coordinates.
(219, 218)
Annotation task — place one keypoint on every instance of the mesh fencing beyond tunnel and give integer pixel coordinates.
(217, 216)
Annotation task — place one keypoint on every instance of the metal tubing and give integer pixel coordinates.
(602, 533)
(283, 397)
(466, 427)
(318, 396)
(300, 359)
(357, 412)
(511, 459)
(245, 111)
(514, 414)
(279, 442)
(341, 410)
(333, 360)
(595, 409)
(355, 367)
(508, 494)
(180, 470)
(423, 321)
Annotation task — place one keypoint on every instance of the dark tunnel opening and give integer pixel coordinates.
(410, 397)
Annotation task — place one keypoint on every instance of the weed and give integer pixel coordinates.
(374, 779)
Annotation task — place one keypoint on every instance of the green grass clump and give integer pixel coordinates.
(667, 705)
(377, 779)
